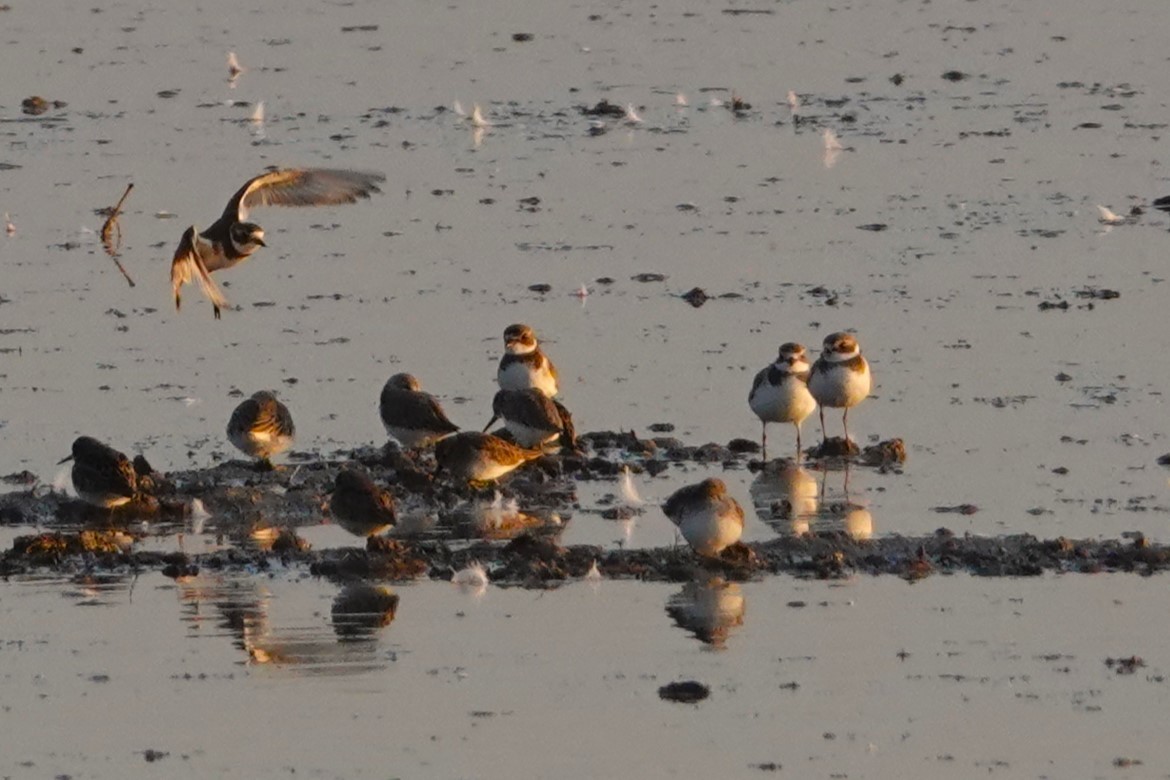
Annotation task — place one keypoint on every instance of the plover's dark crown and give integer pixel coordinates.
(101, 475)
(230, 239)
(261, 426)
(359, 506)
(409, 413)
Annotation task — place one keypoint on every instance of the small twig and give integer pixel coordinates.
(111, 228)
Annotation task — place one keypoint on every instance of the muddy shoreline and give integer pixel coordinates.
(258, 513)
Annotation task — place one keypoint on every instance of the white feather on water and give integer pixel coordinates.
(199, 516)
(629, 491)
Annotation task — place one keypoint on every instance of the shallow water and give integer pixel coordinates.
(1046, 420)
(869, 678)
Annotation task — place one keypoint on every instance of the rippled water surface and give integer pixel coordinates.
(1015, 341)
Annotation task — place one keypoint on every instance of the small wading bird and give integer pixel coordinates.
(413, 417)
(231, 240)
(524, 365)
(359, 506)
(102, 476)
(480, 457)
(780, 393)
(708, 518)
(261, 427)
(532, 418)
(840, 379)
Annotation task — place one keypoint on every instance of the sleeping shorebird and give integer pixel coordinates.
(524, 365)
(708, 518)
(532, 418)
(840, 379)
(261, 427)
(480, 457)
(359, 506)
(780, 393)
(231, 240)
(102, 476)
(412, 417)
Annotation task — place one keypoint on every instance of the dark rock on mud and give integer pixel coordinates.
(603, 108)
(685, 692)
(696, 297)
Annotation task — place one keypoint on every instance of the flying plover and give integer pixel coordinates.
(231, 240)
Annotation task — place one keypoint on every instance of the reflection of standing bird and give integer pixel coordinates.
(412, 417)
(780, 393)
(261, 427)
(360, 609)
(230, 240)
(708, 518)
(532, 418)
(359, 506)
(524, 365)
(102, 476)
(709, 609)
(480, 457)
(840, 378)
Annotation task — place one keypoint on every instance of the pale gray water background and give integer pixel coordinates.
(955, 677)
(988, 186)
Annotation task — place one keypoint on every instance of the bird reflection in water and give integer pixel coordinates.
(360, 609)
(239, 607)
(709, 610)
(786, 497)
(793, 501)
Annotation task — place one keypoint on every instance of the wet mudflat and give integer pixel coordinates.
(1012, 334)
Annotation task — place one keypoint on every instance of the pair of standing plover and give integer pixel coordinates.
(789, 389)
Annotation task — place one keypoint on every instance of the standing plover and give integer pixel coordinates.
(102, 476)
(230, 240)
(480, 457)
(840, 378)
(524, 365)
(412, 417)
(359, 506)
(532, 418)
(708, 518)
(261, 427)
(780, 393)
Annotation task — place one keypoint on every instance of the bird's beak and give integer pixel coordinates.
(259, 241)
(491, 422)
(64, 460)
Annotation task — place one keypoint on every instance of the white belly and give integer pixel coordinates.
(518, 376)
(527, 436)
(261, 444)
(708, 531)
(790, 401)
(839, 387)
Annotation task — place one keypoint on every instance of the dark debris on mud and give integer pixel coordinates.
(243, 499)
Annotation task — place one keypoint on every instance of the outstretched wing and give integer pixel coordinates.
(302, 187)
(187, 265)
